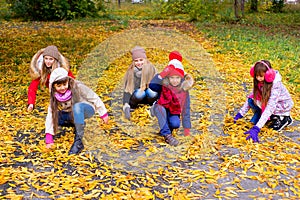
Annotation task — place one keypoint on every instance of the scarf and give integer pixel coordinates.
(173, 99)
(259, 96)
(63, 97)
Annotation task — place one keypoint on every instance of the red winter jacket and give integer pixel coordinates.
(33, 87)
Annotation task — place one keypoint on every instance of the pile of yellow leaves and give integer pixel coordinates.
(129, 159)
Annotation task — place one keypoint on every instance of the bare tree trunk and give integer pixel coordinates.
(243, 8)
(236, 12)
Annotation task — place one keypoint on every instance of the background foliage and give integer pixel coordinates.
(43, 10)
(192, 10)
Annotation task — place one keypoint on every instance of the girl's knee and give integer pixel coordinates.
(174, 124)
(151, 94)
(250, 102)
(139, 94)
(159, 110)
(254, 107)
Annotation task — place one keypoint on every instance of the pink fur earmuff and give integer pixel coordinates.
(269, 75)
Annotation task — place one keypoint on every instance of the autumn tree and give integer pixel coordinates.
(239, 5)
(44, 10)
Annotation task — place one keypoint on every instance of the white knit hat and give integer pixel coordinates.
(178, 68)
(57, 74)
(176, 63)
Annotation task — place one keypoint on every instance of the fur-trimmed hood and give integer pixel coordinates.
(186, 84)
(37, 62)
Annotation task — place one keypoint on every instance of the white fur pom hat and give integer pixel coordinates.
(179, 70)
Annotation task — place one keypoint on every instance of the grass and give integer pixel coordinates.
(262, 35)
(131, 11)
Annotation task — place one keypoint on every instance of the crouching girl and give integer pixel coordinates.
(71, 102)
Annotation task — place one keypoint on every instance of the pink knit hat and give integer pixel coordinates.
(138, 52)
(51, 51)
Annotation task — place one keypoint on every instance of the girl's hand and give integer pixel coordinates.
(48, 146)
(237, 117)
(49, 140)
(186, 132)
(166, 71)
(105, 119)
(30, 107)
(253, 134)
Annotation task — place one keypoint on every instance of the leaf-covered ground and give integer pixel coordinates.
(129, 160)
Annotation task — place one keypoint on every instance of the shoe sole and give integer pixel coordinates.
(282, 126)
(290, 122)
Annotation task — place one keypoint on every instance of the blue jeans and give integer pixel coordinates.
(256, 110)
(82, 111)
(167, 122)
(147, 96)
(65, 119)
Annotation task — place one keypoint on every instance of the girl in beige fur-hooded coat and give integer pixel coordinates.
(136, 82)
(41, 66)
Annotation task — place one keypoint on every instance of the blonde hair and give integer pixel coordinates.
(46, 71)
(148, 72)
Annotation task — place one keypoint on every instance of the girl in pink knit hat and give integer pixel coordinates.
(136, 82)
(41, 66)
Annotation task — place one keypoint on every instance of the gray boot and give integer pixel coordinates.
(152, 108)
(77, 145)
(126, 110)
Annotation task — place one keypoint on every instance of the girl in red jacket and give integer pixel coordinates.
(41, 66)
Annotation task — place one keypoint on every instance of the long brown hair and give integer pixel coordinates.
(54, 102)
(148, 72)
(259, 70)
(47, 70)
